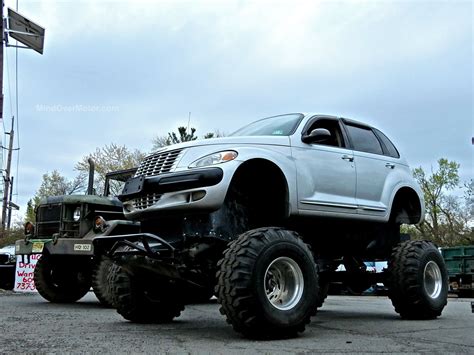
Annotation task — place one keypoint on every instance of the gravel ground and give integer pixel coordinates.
(344, 325)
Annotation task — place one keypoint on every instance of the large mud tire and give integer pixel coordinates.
(59, 281)
(136, 303)
(268, 284)
(100, 281)
(417, 280)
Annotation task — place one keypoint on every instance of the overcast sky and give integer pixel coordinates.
(126, 71)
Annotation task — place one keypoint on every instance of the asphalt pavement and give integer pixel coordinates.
(345, 324)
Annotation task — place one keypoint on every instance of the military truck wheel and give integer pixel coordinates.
(100, 281)
(417, 280)
(141, 302)
(268, 283)
(59, 281)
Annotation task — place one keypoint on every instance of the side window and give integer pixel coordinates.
(391, 150)
(364, 140)
(333, 127)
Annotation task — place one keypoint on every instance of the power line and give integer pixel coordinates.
(9, 87)
(11, 102)
(17, 122)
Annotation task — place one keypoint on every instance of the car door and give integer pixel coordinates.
(373, 169)
(326, 177)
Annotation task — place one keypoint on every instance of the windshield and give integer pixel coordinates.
(283, 125)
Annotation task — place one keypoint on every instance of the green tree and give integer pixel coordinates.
(173, 138)
(447, 216)
(53, 184)
(469, 197)
(109, 158)
(215, 134)
(30, 214)
(182, 136)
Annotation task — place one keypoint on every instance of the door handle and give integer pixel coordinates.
(347, 158)
(390, 166)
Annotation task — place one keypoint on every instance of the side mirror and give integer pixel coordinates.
(318, 135)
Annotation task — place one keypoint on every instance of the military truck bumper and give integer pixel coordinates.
(62, 246)
(145, 253)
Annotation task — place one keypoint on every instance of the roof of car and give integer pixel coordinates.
(345, 120)
(355, 123)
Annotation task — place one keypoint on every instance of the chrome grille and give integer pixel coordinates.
(159, 163)
(148, 200)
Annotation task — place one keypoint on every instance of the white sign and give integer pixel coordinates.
(25, 31)
(24, 274)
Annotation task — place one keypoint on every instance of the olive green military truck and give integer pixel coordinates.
(63, 233)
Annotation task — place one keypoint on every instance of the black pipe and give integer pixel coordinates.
(90, 186)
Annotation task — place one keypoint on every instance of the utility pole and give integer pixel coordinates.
(7, 177)
(31, 35)
(10, 205)
(1, 65)
(5, 196)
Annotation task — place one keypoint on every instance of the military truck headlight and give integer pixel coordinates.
(29, 229)
(77, 214)
(213, 159)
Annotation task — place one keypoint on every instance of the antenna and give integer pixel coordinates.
(189, 122)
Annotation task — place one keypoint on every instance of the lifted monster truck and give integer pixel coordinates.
(63, 233)
(266, 216)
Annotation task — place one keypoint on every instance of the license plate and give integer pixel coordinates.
(133, 186)
(37, 247)
(82, 247)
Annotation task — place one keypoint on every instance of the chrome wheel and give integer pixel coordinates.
(432, 280)
(284, 283)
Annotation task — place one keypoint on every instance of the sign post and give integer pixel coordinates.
(25, 31)
(32, 36)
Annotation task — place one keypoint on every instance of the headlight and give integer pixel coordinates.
(213, 159)
(77, 214)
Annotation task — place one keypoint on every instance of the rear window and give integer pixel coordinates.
(391, 149)
(364, 140)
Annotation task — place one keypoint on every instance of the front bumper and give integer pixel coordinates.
(188, 191)
(171, 182)
(62, 246)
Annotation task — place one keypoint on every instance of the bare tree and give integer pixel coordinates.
(109, 158)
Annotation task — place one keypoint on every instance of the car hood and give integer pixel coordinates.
(9, 249)
(253, 140)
